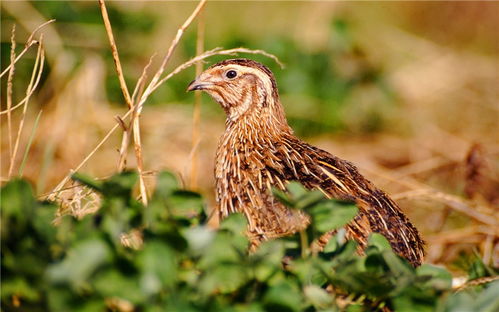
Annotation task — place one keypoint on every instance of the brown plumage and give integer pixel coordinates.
(258, 151)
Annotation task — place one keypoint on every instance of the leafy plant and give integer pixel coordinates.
(183, 265)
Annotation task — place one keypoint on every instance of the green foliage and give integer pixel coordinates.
(183, 265)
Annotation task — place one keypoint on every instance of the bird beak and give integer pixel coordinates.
(198, 85)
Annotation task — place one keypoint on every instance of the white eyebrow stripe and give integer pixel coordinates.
(250, 70)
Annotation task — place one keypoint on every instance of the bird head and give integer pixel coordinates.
(240, 86)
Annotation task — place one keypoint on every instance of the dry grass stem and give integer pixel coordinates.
(139, 87)
(152, 86)
(10, 77)
(196, 114)
(30, 42)
(128, 129)
(178, 69)
(180, 32)
(135, 120)
(138, 108)
(452, 201)
(116, 57)
(477, 282)
(134, 110)
(60, 186)
(35, 80)
(213, 52)
(30, 141)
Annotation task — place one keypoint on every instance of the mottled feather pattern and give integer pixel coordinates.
(258, 152)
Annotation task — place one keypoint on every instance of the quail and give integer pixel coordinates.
(258, 151)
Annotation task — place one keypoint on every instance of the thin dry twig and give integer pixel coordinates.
(145, 95)
(216, 51)
(196, 114)
(156, 81)
(29, 42)
(135, 120)
(128, 129)
(35, 80)
(452, 201)
(10, 77)
(59, 187)
(116, 57)
(207, 54)
(180, 32)
(30, 141)
(477, 282)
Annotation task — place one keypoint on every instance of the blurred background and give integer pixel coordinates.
(405, 90)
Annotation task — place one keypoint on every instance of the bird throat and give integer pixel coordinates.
(247, 162)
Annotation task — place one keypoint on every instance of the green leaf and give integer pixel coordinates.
(20, 287)
(166, 184)
(438, 278)
(82, 260)
(224, 278)
(283, 297)
(186, 204)
(488, 301)
(317, 296)
(16, 199)
(309, 271)
(267, 259)
(309, 199)
(296, 190)
(235, 223)
(283, 197)
(224, 249)
(379, 242)
(88, 181)
(199, 239)
(120, 185)
(158, 266)
(331, 215)
(112, 283)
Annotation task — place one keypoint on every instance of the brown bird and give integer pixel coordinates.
(258, 151)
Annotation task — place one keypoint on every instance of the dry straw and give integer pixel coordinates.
(33, 84)
(141, 94)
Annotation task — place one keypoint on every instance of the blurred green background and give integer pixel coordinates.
(402, 89)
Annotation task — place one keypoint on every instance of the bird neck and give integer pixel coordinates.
(260, 123)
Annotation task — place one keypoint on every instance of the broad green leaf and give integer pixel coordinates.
(235, 223)
(296, 190)
(283, 297)
(309, 199)
(267, 260)
(166, 184)
(112, 283)
(120, 185)
(283, 197)
(330, 215)
(309, 271)
(488, 300)
(16, 199)
(224, 278)
(186, 204)
(379, 241)
(318, 296)
(223, 249)
(438, 278)
(158, 265)
(88, 181)
(82, 260)
(20, 287)
(199, 239)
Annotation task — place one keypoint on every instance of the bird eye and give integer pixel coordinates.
(231, 74)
